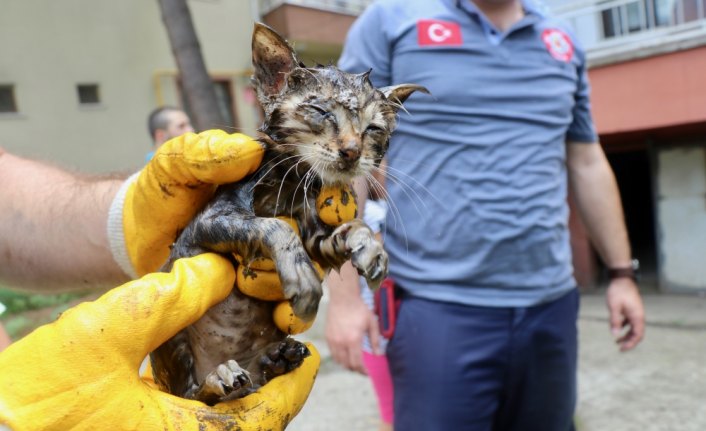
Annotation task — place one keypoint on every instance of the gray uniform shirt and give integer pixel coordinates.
(477, 174)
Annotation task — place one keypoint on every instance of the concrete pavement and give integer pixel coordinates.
(660, 386)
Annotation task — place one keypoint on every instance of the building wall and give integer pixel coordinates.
(658, 103)
(662, 91)
(681, 211)
(48, 47)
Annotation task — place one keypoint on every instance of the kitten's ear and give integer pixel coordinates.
(272, 58)
(399, 93)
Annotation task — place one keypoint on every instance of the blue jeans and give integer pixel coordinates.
(458, 367)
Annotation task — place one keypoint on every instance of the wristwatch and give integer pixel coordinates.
(630, 271)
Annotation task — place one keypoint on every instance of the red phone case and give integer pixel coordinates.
(386, 308)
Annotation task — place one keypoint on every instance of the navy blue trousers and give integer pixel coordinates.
(458, 367)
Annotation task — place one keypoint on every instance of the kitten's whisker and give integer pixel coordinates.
(274, 162)
(411, 195)
(311, 177)
(281, 185)
(301, 180)
(399, 174)
(308, 174)
(392, 206)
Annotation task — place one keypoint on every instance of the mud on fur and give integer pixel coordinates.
(323, 127)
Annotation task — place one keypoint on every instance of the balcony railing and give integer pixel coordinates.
(348, 7)
(614, 30)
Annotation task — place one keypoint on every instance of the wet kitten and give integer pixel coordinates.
(323, 126)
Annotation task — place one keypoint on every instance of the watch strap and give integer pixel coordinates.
(625, 272)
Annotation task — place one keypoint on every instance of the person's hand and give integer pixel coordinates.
(626, 312)
(150, 211)
(349, 319)
(81, 372)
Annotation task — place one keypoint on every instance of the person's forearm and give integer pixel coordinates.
(597, 198)
(53, 233)
(344, 285)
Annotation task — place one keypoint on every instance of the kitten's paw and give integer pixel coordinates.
(368, 257)
(228, 381)
(301, 284)
(282, 357)
(357, 242)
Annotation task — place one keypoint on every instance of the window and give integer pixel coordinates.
(88, 94)
(224, 96)
(7, 98)
(641, 15)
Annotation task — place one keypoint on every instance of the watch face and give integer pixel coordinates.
(635, 264)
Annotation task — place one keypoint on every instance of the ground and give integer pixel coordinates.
(660, 386)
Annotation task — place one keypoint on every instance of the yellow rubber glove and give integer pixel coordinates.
(148, 213)
(81, 372)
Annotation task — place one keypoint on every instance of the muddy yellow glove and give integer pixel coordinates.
(80, 372)
(153, 207)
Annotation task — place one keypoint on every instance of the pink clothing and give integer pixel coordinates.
(379, 373)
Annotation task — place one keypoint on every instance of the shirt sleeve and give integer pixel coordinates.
(582, 128)
(368, 47)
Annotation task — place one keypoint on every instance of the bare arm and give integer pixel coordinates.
(53, 233)
(598, 201)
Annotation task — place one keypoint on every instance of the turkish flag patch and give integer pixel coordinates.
(432, 32)
(558, 44)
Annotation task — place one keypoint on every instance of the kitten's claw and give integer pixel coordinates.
(357, 241)
(302, 286)
(225, 382)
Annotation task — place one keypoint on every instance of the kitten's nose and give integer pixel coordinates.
(350, 151)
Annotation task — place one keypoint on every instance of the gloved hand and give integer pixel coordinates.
(149, 211)
(80, 372)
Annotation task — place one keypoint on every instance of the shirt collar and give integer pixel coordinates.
(533, 15)
(531, 7)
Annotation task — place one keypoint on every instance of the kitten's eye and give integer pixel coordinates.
(317, 108)
(374, 129)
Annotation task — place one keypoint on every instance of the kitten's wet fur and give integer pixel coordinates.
(323, 126)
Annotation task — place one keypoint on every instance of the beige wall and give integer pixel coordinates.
(49, 46)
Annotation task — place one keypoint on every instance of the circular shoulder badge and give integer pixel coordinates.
(558, 44)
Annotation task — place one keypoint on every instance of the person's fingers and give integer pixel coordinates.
(212, 157)
(271, 407)
(141, 315)
(635, 334)
(354, 357)
(175, 185)
(615, 319)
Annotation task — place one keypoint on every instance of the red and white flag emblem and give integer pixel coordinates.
(558, 44)
(435, 32)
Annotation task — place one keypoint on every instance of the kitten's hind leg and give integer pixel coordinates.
(173, 365)
(281, 357)
(226, 382)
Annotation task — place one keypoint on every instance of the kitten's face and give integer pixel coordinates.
(338, 123)
(335, 122)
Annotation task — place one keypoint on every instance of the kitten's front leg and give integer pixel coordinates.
(355, 241)
(253, 237)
